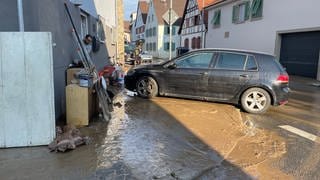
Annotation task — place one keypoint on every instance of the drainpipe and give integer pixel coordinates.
(20, 15)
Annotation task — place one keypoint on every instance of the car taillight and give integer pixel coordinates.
(283, 78)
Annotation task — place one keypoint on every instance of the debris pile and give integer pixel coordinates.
(67, 139)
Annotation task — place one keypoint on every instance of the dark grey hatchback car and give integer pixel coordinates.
(252, 79)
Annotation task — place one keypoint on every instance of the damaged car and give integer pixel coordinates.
(251, 79)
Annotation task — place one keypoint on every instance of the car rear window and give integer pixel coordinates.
(231, 61)
(278, 64)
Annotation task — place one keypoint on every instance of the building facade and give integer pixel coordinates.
(290, 29)
(194, 23)
(140, 23)
(157, 39)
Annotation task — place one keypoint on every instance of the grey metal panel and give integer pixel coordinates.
(300, 53)
(27, 93)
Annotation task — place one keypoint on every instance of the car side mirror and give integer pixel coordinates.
(172, 66)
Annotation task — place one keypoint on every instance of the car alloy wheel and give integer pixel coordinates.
(147, 87)
(255, 100)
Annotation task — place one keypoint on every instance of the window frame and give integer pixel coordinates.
(212, 61)
(85, 31)
(259, 15)
(255, 61)
(216, 20)
(236, 12)
(229, 69)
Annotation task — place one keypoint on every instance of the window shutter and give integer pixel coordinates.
(216, 18)
(235, 13)
(173, 46)
(247, 12)
(256, 9)
(173, 30)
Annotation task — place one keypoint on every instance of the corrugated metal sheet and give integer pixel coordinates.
(26, 89)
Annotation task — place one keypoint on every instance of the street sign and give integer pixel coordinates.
(174, 17)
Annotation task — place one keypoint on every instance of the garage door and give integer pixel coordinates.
(300, 53)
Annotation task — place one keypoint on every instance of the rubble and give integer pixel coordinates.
(67, 139)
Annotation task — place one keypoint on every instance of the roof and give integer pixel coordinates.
(162, 6)
(126, 26)
(144, 8)
(205, 3)
(214, 3)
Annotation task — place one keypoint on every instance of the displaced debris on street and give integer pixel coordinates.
(67, 139)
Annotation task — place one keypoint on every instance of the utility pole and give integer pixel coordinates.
(170, 34)
(20, 15)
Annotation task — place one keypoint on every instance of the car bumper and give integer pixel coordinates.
(282, 95)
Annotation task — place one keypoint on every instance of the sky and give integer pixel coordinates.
(129, 7)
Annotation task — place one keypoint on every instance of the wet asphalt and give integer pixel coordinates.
(144, 141)
(141, 141)
(302, 159)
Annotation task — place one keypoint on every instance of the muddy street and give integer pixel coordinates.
(168, 138)
(160, 139)
(298, 123)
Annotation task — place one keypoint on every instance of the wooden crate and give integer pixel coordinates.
(70, 74)
(79, 105)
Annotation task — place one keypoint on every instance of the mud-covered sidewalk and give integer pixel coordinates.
(163, 138)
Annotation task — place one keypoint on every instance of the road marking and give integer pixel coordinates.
(301, 133)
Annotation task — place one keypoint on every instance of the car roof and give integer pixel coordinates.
(232, 50)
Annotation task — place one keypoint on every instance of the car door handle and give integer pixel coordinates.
(244, 75)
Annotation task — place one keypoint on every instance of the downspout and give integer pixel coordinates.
(20, 15)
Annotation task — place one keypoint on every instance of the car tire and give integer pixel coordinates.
(255, 101)
(147, 87)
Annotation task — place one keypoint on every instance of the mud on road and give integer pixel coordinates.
(163, 138)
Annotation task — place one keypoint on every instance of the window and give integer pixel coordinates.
(152, 17)
(154, 46)
(231, 61)
(241, 12)
(193, 43)
(201, 60)
(198, 44)
(100, 31)
(196, 20)
(148, 47)
(84, 25)
(167, 46)
(256, 8)
(251, 64)
(166, 30)
(154, 31)
(216, 18)
(173, 46)
(186, 43)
